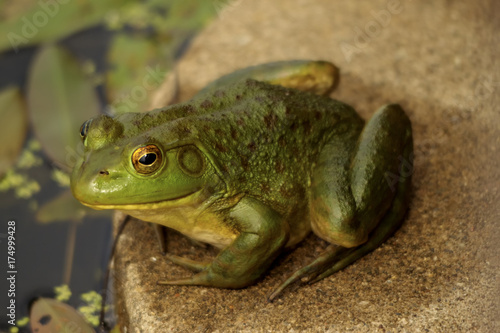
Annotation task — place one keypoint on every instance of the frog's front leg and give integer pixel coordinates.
(263, 233)
(359, 193)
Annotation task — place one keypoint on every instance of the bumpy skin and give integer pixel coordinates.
(251, 167)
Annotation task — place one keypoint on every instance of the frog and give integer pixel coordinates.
(251, 165)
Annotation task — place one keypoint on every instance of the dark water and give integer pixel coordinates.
(41, 249)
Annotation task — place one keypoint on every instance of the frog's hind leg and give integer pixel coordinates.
(357, 206)
(387, 227)
(317, 77)
(335, 258)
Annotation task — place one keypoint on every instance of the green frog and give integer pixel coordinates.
(251, 165)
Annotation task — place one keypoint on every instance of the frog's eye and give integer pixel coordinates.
(147, 159)
(84, 129)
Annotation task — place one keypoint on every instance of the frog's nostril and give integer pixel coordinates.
(104, 172)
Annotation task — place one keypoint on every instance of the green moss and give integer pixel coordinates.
(60, 177)
(63, 293)
(93, 307)
(23, 186)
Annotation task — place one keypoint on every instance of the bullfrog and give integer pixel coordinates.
(251, 165)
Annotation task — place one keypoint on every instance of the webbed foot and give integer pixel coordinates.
(314, 269)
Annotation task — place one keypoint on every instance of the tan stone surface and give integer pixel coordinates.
(439, 273)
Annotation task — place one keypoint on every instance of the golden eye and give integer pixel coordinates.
(147, 159)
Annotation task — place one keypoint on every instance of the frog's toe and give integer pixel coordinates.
(179, 282)
(294, 277)
(311, 271)
(341, 261)
(195, 266)
(202, 278)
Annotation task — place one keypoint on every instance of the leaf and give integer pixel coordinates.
(167, 17)
(66, 208)
(138, 67)
(60, 99)
(13, 130)
(138, 63)
(48, 21)
(190, 14)
(50, 316)
(186, 14)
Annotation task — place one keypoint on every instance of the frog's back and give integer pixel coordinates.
(264, 139)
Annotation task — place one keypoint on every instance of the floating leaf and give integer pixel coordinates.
(13, 130)
(50, 316)
(60, 99)
(65, 208)
(138, 67)
(48, 21)
(165, 17)
(188, 14)
(139, 63)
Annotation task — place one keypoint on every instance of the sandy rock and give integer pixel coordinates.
(439, 273)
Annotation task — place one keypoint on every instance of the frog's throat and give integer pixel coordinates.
(189, 199)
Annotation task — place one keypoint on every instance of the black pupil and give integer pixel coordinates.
(147, 159)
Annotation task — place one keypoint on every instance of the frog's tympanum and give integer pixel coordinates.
(251, 165)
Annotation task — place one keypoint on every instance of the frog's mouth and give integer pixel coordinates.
(190, 199)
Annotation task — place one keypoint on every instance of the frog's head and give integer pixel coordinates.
(126, 167)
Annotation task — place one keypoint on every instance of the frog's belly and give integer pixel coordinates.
(205, 227)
